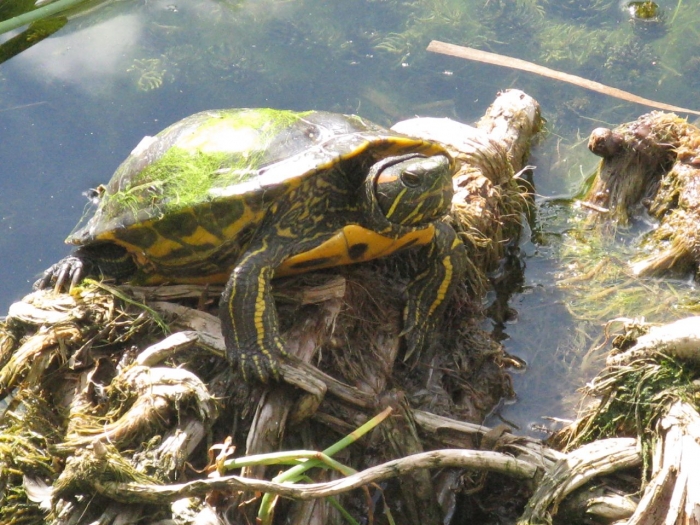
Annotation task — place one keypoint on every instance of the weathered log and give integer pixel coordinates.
(480, 460)
(680, 339)
(673, 494)
(577, 468)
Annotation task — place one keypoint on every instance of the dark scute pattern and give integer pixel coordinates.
(176, 225)
(226, 213)
(140, 236)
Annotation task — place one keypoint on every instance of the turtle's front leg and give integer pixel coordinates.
(94, 260)
(429, 292)
(249, 317)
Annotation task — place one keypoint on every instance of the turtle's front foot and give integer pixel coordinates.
(64, 275)
(258, 363)
(249, 317)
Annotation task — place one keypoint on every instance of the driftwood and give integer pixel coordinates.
(645, 193)
(575, 470)
(673, 494)
(680, 340)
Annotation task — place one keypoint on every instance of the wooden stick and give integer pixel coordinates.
(128, 492)
(515, 63)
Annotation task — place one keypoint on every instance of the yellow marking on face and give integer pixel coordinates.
(335, 251)
(414, 213)
(396, 202)
(386, 178)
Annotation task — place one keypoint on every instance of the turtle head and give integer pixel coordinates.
(413, 189)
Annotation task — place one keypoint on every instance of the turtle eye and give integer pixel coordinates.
(410, 179)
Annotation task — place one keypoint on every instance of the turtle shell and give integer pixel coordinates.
(186, 201)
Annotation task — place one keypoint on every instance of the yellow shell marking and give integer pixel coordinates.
(162, 248)
(201, 237)
(336, 251)
(248, 217)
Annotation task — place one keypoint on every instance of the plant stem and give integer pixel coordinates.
(37, 14)
(675, 13)
(268, 500)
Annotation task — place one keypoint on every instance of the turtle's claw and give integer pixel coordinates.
(257, 363)
(61, 276)
(256, 366)
(64, 275)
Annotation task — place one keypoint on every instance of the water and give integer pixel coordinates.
(74, 105)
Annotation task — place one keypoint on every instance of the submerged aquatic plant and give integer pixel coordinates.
(581, 9)
(429, 19)
(150, 71)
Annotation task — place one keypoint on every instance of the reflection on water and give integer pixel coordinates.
(75, 104)
(89, 58)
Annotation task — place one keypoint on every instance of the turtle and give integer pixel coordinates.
(240, 196)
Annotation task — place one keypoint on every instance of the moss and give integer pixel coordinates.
(179, 177)
(632, 399)
(202, 160)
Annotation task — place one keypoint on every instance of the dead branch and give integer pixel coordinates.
(523, 65)
(479, 460)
